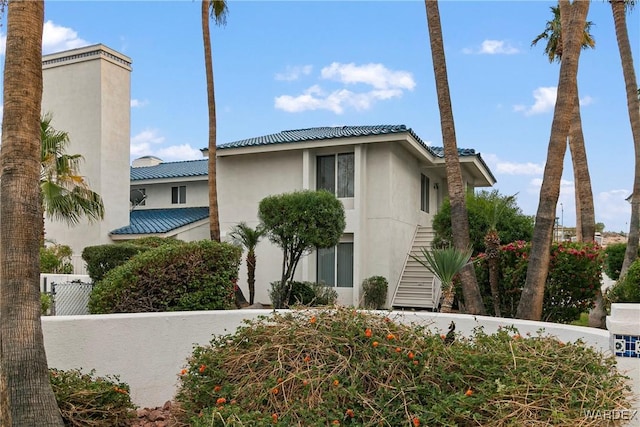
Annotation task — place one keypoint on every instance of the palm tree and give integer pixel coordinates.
(249, 238)
(455, 185)
(445, 263)
(585, 213)
(66, 195)
(26, 397)
(530, 305)
(492, 244)
(218, 10)
(619, 9)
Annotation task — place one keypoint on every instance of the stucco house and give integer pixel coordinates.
(390, 182)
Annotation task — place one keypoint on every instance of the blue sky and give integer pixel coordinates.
(298, 64)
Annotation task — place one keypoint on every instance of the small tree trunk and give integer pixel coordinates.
(492, 242)
(251, 275)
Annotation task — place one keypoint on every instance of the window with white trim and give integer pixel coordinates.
(335, 265)
(335, 173)
(424, 193)
(179, 195)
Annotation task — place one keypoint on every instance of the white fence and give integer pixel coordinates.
(69, 293)
(148, 350)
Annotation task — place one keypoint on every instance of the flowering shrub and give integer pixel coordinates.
(575, 270)
(345, 367)
(87, 400)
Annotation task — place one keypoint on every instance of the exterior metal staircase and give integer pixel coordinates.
(417, 287)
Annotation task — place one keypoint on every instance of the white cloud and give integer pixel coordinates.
(136, 103)
(512, 168)
(142, 142)
(493, 47)
(376, 75)
(56, 38)
(587, 100)
(149, 143)
(294, 73)
(178, 152)
(385, 84)
(316, 99)
(545, 100)
(613, 209)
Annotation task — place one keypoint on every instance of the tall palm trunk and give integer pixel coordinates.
(531, 300)
(585, 214)
(618, 8)
(459, 217)
(26, 397)
(214, 221)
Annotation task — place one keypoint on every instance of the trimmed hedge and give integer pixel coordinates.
(190, 276)
(102, 258)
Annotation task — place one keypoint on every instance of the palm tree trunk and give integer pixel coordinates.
(448, 296)
(214, 221)
(26, 397)
(459, 218)
(251, 275)
(618, 8)
(531, 300)
(585, 215)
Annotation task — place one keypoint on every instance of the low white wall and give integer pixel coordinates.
(148, 350)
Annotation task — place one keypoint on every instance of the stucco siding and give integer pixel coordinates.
(159, 195)
(89, 97)
(243, 181)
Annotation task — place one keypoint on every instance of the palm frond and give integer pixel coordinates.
(444, 263)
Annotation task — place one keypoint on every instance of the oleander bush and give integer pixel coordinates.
(56, 259)
(85, 399)
(345, 367)
(190, 276)
(575, 271)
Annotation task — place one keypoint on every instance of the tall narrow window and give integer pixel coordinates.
(424, 193)
(335, 265)
(179, 195)
(335, 173)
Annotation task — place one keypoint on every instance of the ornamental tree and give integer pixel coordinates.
(300, 222)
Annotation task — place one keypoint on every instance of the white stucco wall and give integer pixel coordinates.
(159, 193)
(148, 350)
(89, 96)
(243, 181)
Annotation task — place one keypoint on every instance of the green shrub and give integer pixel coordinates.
(628, 288)
(330, 367)
(302, 293)
(103, 258)
(575, 271)
(45, 303)
(191, 276)
(375, 292)
(87, 400)
(56, 259)
(614, 255)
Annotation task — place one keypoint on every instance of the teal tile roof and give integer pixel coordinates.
(151, 221)
(194, 168)
(319, 133)
(171, 170)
